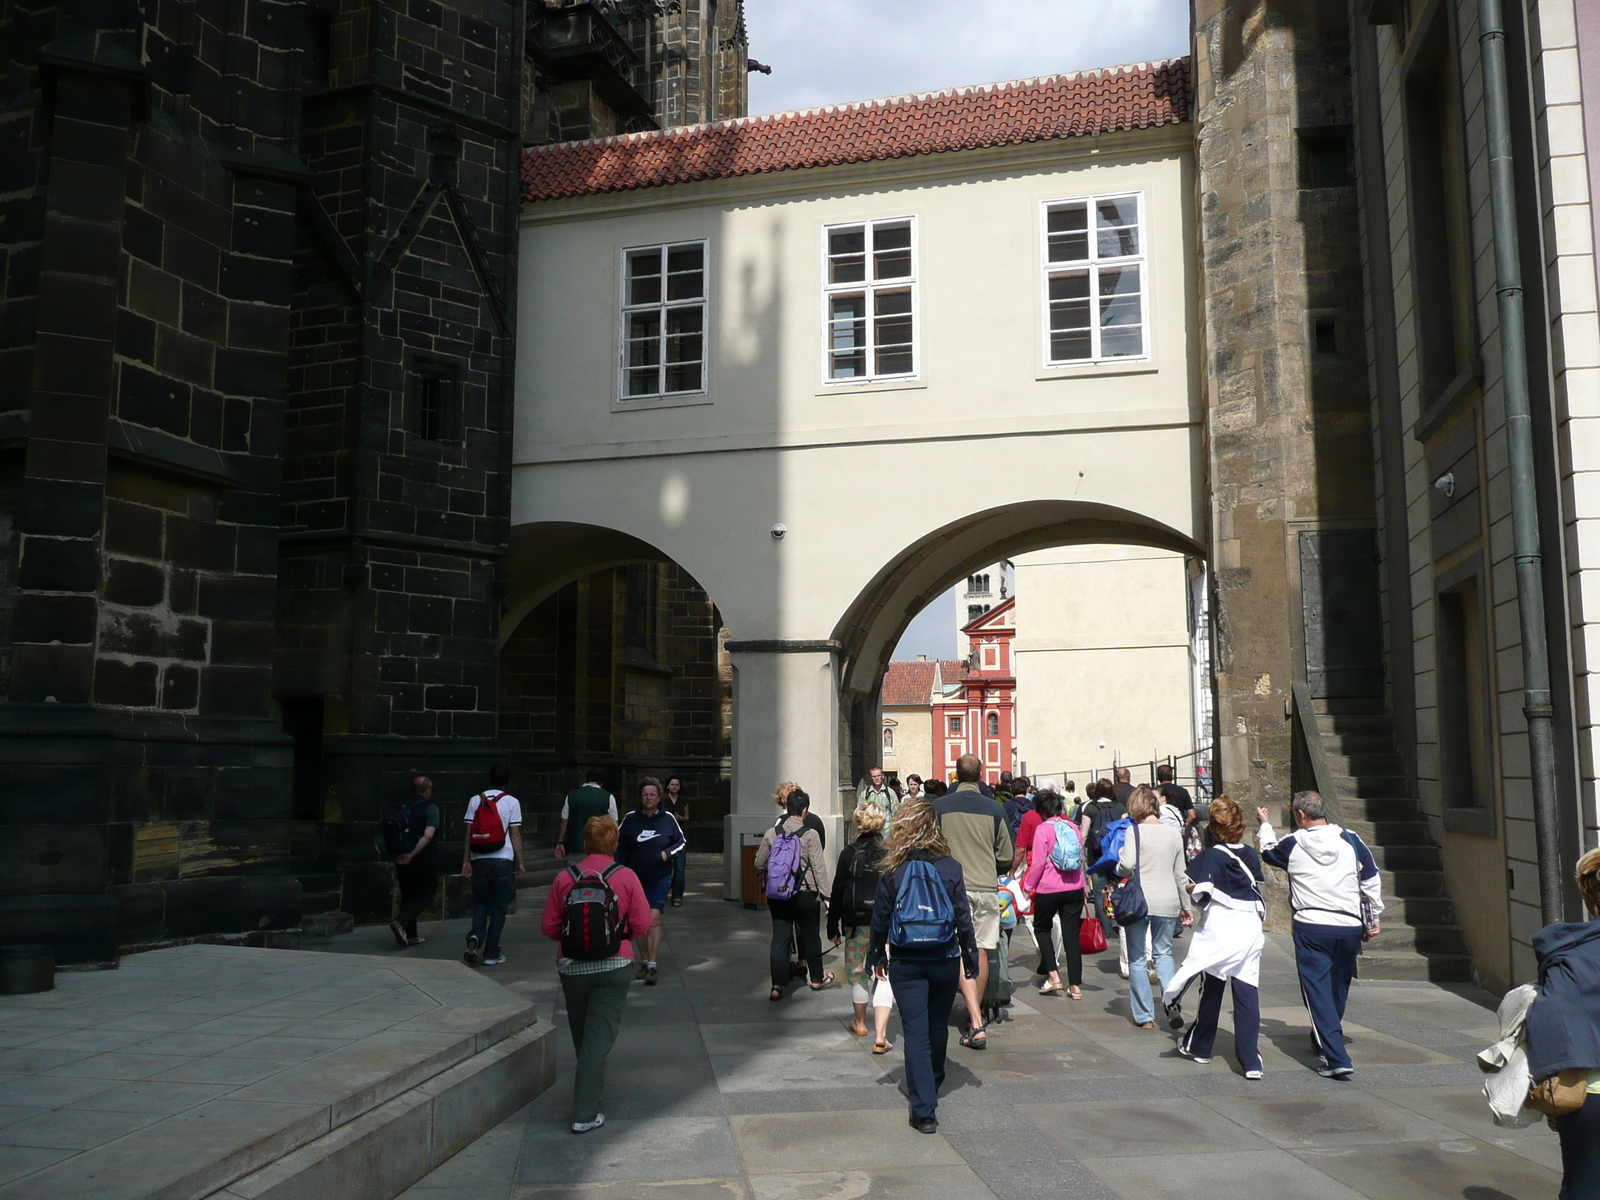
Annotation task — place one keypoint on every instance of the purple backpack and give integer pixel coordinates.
(783, 863)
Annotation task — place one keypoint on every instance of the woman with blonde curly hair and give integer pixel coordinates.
(923, 974)
(855, 893)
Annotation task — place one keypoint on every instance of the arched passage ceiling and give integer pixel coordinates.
(548, 555)
(871, 627)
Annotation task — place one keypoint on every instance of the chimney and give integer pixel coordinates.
(922, 658)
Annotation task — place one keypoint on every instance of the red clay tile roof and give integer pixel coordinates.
(1113, 99)
(908, 683)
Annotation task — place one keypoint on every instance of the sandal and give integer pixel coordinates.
(1074, 993)
(881, 1047)
(970, 1039)
(828, 981)
(862, 1032)
(775, 994)
(1050, 989)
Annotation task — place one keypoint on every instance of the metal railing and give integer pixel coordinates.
(1191, 770)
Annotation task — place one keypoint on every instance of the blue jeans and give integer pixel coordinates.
(1326, 958)
(1159, 930)
(925, 990)
(494, 883)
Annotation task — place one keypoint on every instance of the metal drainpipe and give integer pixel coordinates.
(1519, 437)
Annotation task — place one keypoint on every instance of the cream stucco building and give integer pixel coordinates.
(731, 335)
(1103, 661)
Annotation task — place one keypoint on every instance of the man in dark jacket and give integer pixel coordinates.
(647, 839)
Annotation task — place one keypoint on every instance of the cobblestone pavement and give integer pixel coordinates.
(712, 1091)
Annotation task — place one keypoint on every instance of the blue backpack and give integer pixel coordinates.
(1067, 853)
(923, 915)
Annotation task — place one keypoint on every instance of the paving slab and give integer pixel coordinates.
(1252, 1175)
(1417, 1171)
(885, 1183)
(629, 1151)
(862, 1140)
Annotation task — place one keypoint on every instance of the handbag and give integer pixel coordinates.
(1091, 936)
(1127, 899)
(1560, 1094)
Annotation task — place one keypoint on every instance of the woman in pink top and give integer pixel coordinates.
(595, 983)
(1056, 893)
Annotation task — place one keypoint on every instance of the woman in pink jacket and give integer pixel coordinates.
(1056, 893)
(595, 958)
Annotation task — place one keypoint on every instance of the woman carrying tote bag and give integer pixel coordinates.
(1152, 862)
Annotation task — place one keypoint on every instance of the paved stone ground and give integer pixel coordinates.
(713, 1091)
(186, 1068)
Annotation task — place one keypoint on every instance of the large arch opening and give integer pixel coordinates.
(1087, 591)
(613, 656)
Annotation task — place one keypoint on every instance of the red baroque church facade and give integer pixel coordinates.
(978, 714)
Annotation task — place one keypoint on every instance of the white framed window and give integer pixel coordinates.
(955, 725)
(1095, 285)
(870, 300)
(663, 320)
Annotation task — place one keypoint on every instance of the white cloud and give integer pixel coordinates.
(833, 51)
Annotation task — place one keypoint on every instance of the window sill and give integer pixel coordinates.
(1099, 370)
(887, 385)
(1470, 820)
(646, 404)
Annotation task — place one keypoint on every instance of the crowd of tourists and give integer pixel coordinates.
(925, 899)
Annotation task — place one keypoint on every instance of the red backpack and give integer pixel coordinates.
(487, 833)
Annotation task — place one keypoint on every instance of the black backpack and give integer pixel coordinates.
(591, 918)
(402, 825)
(862, 887)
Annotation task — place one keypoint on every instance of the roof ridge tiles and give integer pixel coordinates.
(1104, 99)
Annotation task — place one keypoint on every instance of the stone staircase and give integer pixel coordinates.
(1420, 938)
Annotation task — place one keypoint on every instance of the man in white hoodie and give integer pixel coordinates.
(1337, 896)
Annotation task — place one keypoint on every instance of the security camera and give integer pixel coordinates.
(779, 530)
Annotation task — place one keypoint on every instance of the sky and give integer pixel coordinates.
(836, 51)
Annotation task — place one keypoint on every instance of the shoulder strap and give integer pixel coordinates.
(576, 873)
(1249, 877)
(610, 871)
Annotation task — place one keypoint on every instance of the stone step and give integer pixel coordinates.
(1357, 743)
(1379, 808)
(327, 924)
(1434, 968)
(1387, 832)
(1408, 858)
(1405, 883)
(1379, 787)
(384, 1151)
(1376, 763)
(313, 903)
(315, 882)
(1363, 722)
(1418, 910)
(1421, 939)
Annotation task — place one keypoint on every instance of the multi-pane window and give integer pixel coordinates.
(664, 320)
(871, 300)
(1095, 279)
(434, 405)
(955, 724)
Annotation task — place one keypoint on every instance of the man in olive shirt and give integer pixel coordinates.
(581, 803)
(975, 826)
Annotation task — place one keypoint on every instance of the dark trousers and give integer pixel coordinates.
(680, 873)
(1047, 906)
(1580, 1151)
(1202, 1035)
(1326, 958)
(594, 1014)
(925, 990)
(798, 917)
(494, 883)
(418, 882)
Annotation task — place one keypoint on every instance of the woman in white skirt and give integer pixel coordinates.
(1226, 948)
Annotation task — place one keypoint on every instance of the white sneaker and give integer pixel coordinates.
(495, 961)
(585, 1126)
(1193, 1057)
(1252, 1075)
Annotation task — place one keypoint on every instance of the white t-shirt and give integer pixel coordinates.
(510, 813)
(613, 809)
